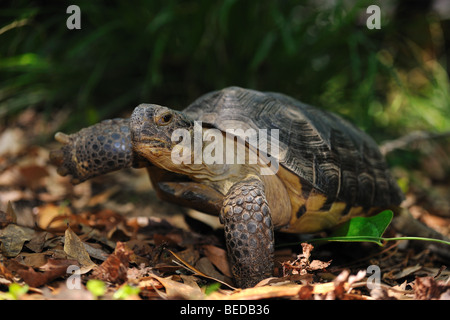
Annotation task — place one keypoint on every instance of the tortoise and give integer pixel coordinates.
(326, 171)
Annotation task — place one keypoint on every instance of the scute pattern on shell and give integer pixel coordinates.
(323, 149)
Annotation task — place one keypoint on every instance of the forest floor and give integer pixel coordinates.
(112, 238)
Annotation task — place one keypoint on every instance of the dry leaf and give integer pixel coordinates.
(5, 273)
(189, 256)
(75, 249)
(178, 290)
(219, 259)
(52, 270)
(407, 271)
(426, 288)
(96, 253)
(306, 248)
(12, 141)
(115, 268)
(7, 217)
(256, 293)
(149, 283)
(197, 271)
(34, 260)
(13, 237)
(47, 216)
(31, 176)
(318, 265)
(205, 266)
(40, 240)
(302, 265)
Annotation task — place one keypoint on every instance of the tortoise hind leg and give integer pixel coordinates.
(96, 150)
(248, 232)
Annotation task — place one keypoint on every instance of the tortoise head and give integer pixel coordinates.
(152, 127)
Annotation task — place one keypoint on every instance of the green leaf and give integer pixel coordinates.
(212, 288)
(369, 229)
(96, 287)
(125, 292)
(15, 291)
(363, 228)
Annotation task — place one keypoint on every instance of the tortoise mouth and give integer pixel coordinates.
(152, 149)
(150, 143)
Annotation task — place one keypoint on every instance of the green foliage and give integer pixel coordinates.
(125, 292)
(369, 229)
(213, 287)
(15, 291)
(363, 228)
(170, 52)
(96, 287)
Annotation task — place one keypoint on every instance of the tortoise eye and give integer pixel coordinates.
(164, 119)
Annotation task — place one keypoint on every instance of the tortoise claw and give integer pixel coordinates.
(62, 138)
(57, 157)
(75, 181)
(62, 171)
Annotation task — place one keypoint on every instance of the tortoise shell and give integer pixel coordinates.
(329, 155)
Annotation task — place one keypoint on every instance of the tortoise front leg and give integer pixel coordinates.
(96, 150)
(248, 232)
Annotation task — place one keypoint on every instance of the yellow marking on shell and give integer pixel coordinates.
(315, 220)
(294, 188)
(315, 201)
(355, 212)
(278, 199)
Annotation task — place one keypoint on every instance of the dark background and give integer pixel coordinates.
(388, 81)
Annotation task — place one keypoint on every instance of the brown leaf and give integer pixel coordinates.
(5, 219)
(53, 264)
(171, 239)
(34, 260)
(95, 252)
(205, 266)
(306, 292)
(48, 214)
(318, 265)
(75, 249)
(307, 248)
(13, 237)
(178, 290)
(427, 288)
(407, 271)
(219, 259)
(302, 265)
(115, 268)
(5, 273)
(52, 270)
(189, 256)
(106, 219)
(197, 271)
(32, 175)
(39, 241)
